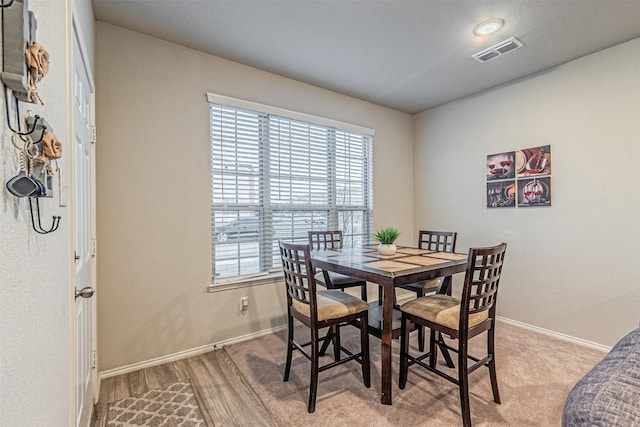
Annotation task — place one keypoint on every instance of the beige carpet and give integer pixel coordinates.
(535, 375)
(172, 406)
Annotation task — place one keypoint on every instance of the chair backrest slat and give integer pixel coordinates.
(298, 274)
(330, 239)
(484, 269)
(441, 241)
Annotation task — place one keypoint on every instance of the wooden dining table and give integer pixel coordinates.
(408, 265)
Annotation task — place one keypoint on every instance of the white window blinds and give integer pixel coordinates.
(275, 178)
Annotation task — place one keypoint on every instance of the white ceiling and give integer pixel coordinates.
(410, 55)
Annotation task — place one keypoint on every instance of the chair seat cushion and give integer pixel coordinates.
(339, 280)
(441, 309)
(425, 286)
(332, 305)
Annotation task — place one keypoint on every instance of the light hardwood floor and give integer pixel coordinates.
(225, 398)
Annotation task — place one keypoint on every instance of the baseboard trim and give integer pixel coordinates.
(185, 354)
(209, 347)
(558, 335)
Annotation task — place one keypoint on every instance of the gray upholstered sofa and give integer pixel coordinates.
(609, 395)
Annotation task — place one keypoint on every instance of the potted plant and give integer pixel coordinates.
(386, 237)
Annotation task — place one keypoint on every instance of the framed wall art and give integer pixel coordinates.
(534, 192)
(501, 194)
(501, 166)
(520, 178)
(533, 161)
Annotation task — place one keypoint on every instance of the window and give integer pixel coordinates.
(277, 174)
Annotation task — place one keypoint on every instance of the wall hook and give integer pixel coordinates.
(44, 129)
(39, 229)
(31, 128)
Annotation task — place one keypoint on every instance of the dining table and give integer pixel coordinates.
(407, 265)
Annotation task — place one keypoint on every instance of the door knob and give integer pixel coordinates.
(86, 292)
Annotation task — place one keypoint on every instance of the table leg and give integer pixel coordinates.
(387, 335)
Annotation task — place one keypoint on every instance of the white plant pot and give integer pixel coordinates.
(387, 249)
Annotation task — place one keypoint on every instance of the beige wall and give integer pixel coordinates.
(153, 191)
(153, 194)
(36, 298)
(573, 268)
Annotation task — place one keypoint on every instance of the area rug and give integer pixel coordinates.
(172, 406)
(535, 374)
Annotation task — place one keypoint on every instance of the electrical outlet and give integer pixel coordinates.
(244, 303)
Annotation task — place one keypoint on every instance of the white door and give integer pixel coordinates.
(83, 166)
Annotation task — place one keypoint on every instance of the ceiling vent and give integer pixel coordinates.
(497, 50)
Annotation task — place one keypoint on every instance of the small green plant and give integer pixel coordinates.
(387, 235)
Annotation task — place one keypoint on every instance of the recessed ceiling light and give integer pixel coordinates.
(487, 27)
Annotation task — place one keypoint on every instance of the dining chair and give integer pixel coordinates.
(332, 239)
(460, 319)
(317, 310)
(439, 241)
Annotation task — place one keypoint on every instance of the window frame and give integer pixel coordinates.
(274, 274)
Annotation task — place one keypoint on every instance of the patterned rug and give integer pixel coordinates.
(172, 406)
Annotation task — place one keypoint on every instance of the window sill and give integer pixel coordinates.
(245, 283)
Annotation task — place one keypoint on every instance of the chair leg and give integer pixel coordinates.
(463, 379)
(420, 294)
(287, 368)
(404, 349)
(421, 338)
(363, 292)
(313, 386)
(327, 340)
(364, 347)
(433, 348)
(336, 342)
(445, 352)
(492, 365)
